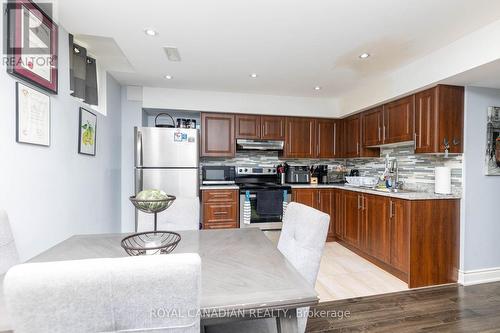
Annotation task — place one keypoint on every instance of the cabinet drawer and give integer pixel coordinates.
(226, 225)
(219, 212)
(226, 196)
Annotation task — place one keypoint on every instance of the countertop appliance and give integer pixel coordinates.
(261, 183)
(168, 159)
(321, 171)
(296, 174)
(217, 174)
(244, 144)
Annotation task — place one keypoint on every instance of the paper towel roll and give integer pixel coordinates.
(442, 177)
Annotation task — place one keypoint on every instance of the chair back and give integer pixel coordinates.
(302, 240)
(8, 252)
(157, 293)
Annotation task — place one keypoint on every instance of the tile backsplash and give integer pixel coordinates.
(416, 171)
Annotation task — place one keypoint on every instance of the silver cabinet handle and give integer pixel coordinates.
(357, 148)
(383, 139)
(359, 202)
(139, 147)
(390, 209)
(379, 133)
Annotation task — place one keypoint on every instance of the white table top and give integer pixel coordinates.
(241, 268)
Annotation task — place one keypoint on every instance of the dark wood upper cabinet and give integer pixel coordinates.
(326, 137)
(300, 140)
(217, 135)
(372, 127)
(439, 120)
(352, 136)
(398, 120)
(248, 127)
(272, 127)
(399, 217)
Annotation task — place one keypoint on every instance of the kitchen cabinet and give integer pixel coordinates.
(248, 127)
(353, 139)
(377, 231)
(300, 137)
(219, 209)
(398, 120)
(327, 138)
(272, 127)
(326, 204)
(339, 214)
(372, 127)
(352, 218)
(217, 135)
(439, 120)
(306, 196)
(399, 217)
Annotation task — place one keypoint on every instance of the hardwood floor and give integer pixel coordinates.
(344, 274)
(450, 308)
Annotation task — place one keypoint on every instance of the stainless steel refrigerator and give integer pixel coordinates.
(168, 159)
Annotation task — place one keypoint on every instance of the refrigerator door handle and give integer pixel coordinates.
(139, 181)
(139, 148)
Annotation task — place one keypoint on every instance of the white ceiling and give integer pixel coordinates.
(292, 45)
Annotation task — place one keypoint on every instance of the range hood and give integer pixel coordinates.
(243, 144)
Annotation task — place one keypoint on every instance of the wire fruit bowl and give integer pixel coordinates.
(150, 243)
(153, 206)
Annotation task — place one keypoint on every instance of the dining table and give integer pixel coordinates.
(243, 274)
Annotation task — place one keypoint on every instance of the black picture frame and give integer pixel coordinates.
(85, 115)
(19, 85)
(15, 49)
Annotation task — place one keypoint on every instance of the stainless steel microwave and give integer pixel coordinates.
(217, 174)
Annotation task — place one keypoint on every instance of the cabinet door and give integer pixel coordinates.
(352, 136)
(398, 120)
(352, 211)
(326, 204)
(372, 127)
(247, 127)
(339, 221)
(399, 213)
(450, 107)
(326, 138)
(377, 235)
(217, 139)
(273, 128)
(300, 139)
(338, 139)
(425, 121)
(306, 196)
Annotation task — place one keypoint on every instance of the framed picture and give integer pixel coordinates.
(87, 132)
(32, 116)
(492, 163)
(32, 45)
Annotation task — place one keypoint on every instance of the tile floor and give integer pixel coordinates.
(344, 274)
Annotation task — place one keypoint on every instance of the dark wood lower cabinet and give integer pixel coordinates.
(219, 209)
(415, 240)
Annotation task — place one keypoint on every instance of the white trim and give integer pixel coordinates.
(477, 276)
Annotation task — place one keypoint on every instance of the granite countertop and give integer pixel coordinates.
(400, 195)
(219, 187)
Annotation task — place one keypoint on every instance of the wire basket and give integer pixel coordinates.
(150, 243)
(153, 206)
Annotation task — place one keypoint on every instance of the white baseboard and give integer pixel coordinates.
(477, 276)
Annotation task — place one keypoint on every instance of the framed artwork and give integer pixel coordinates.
(87, 132)
(492, 163)
(32, 116)
(32, 45)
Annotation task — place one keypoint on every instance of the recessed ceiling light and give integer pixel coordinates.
(253, 75)
(169, 77)
(317, 88)
(151, 32)
(364, 55)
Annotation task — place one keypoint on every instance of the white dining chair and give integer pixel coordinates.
(302, 241)
(8, 258)
(156, 293)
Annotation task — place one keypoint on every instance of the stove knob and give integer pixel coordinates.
(246, 170)
(269, 170)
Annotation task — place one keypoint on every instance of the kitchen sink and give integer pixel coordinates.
(387, 190)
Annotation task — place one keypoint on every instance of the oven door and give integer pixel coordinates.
(264, 222)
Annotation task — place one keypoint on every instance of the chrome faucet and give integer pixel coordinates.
(394, 172)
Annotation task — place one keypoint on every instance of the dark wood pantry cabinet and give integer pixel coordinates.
(217, 135)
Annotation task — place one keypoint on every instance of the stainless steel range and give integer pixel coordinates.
(262, 198)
